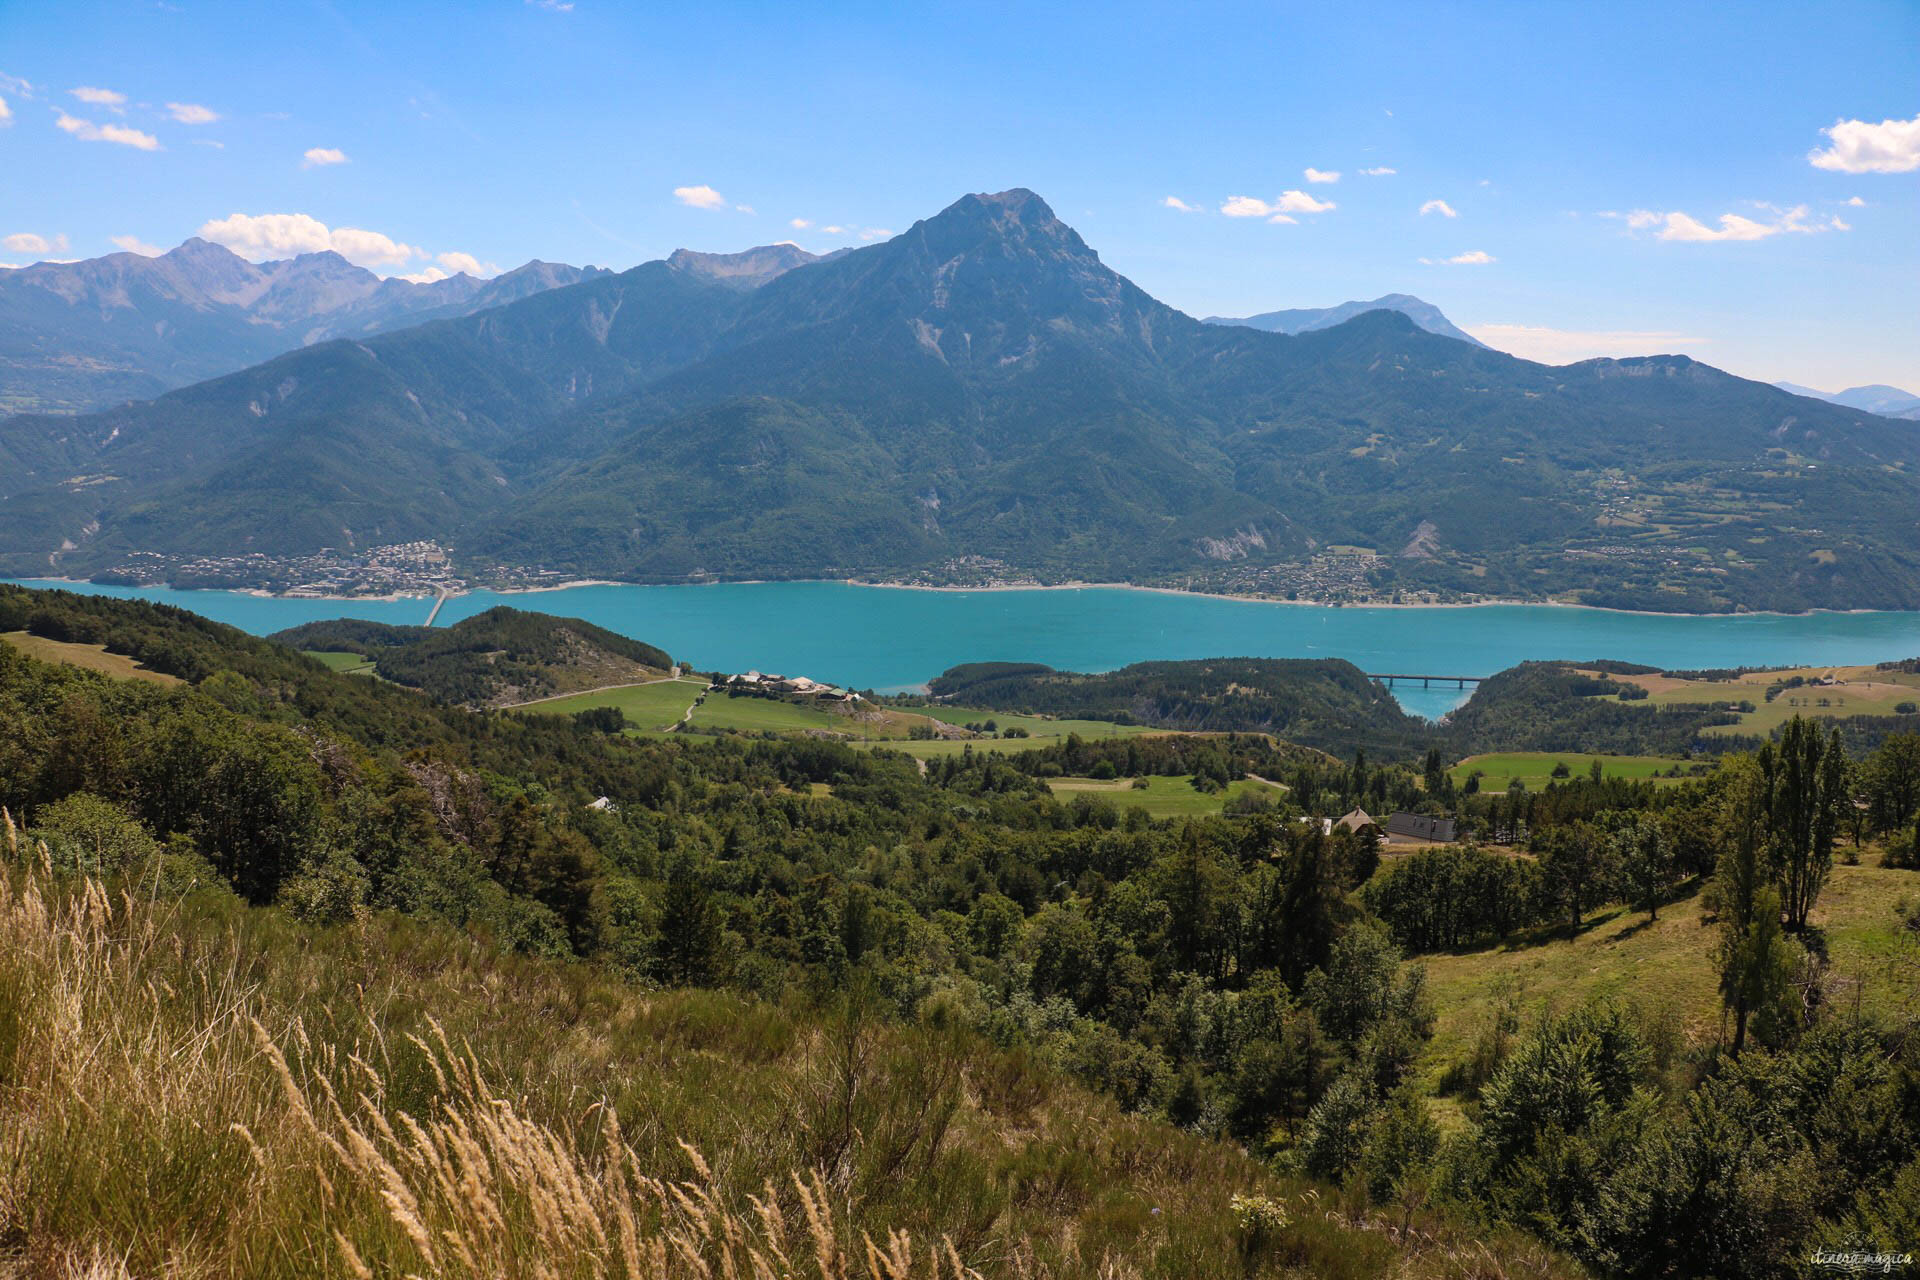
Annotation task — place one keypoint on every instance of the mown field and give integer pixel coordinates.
(1856, 691)
(1162, 797)
(1042, 731)
(658, 704)
(1535, 769)
(355, 664)
(91, 656)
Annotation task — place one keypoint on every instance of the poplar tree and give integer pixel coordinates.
(1806, 784)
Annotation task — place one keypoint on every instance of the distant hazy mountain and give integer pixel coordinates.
(1307, 319)
(748, 269)
(982, 385)
(1888, 402)
(83, 335)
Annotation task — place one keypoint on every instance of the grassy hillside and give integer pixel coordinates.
(1667, 966)
(90, 657)
(892, 979)
(385, 1098)
(502, 657)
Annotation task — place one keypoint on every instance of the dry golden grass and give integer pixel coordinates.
(196, 1089)
(93, 657)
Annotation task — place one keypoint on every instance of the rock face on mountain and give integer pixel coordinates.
(1307, 319)
(76, 336)
(983, 388)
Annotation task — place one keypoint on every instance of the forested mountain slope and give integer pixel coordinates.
(984, 386)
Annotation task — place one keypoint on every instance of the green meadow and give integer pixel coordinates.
(658, 704)
(355, 664)
(1162, 797)
(1535, 769)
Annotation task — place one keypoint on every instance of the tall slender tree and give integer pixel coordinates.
(1806, 785)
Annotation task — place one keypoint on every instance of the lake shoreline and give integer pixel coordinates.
(1492, 602)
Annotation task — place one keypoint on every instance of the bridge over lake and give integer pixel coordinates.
(1426, 682)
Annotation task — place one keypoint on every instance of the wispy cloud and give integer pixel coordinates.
(38, 245)
(134, 244)
(1379, 171)
(1892, 146)
(1440, 207)
(553, 6)
(1471, 258)
(799, 224)
(1175, 202)
(192, 113)
(99, 97)
(321, 157)
(276, 235)
(700, 197)
(1564, 346)
(1289, 202)
(1684, 227)
(88, 131)
(1322, 175)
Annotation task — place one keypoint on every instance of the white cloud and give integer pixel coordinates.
(743, 208)
(88, 131)
(1564, 346)
(427, 276)
(799, 224)
(134, 244)
(1471, 258)
(1379, 171)
(1440, 207)
(319, 157)
(701, 197)
(99, 97)
(1175, 202)
(275, 235)
(1322, 175)
(835, 230)
(1856, 202)
(1892, 146)
(192, 113)
(38, 245)
(6, 114)
(1287, 219)
(1686, 228)
(466, 263)
(1288, 202)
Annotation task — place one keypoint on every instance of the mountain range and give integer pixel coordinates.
(78, 336)
(1307, 319)
(982, 390)
(1888, 402)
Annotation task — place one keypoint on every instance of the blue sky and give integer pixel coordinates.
(1586, 158)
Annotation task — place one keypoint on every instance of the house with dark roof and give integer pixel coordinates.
(1415, 828)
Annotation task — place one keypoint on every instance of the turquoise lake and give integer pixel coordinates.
(892, 638)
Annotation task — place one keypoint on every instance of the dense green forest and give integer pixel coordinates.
(1246, 977)
(501, 655)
